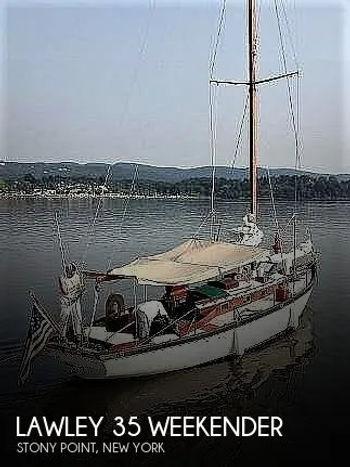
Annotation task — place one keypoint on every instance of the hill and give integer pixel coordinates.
(124, 171)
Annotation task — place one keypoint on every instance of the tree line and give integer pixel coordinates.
(284, 187)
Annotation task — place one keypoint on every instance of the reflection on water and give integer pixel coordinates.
(221, 385)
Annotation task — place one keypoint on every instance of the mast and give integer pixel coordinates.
(253, 104)
(252, 83)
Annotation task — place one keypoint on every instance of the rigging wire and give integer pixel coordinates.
(212, 102)
(294, 113)
(94, 312)
(91, 230)
(63, 256)
(126, 204)
(299, 83)
(297, 88)
(272, 196)
(127, 199)
(140, 56)
(201, 225)
(290, 35)
(212, 111)
(239, 135)
(216, 42)
(289, 88)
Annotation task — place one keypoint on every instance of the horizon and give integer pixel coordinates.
(65, 94)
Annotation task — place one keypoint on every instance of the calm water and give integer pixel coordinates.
(304, 377)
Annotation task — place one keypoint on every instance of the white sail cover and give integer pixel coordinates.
(191, 262)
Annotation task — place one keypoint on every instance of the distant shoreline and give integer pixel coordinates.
(89, 182)
(93, 196)
(22, 196)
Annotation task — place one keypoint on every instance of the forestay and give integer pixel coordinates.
(191, 262)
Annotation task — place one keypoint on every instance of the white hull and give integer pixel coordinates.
(191, 352)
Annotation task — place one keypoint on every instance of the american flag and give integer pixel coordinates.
(40, 330)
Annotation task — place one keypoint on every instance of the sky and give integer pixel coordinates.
(110, 80)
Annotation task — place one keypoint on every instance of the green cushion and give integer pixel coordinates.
(211, 292)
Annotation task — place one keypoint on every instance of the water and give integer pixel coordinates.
(304, 377)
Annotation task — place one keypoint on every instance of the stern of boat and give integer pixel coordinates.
(77, 363)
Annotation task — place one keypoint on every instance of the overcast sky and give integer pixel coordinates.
(110, 81)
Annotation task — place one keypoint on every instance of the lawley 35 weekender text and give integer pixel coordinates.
(171, 426)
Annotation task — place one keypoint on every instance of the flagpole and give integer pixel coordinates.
(41, 328)
(63, 260)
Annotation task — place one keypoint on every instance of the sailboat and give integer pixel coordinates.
(218, 298)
